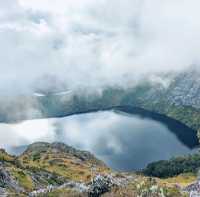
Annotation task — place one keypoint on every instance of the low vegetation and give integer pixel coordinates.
(174, 166)
(47, 168)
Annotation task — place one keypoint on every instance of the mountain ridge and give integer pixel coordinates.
(178, 100)
(55, 169)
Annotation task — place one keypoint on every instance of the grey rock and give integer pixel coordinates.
(6, 181)
(102, 184)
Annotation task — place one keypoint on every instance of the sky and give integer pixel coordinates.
(94, 44)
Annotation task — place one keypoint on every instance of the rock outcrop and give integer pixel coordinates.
(56, 169)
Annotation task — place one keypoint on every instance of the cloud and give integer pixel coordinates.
(94, 43)
(24, 133)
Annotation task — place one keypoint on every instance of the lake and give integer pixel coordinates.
(123, 141)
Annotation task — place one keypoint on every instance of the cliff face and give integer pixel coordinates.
(181, 99)
(185, 90)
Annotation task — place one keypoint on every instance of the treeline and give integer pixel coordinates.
(174, 166)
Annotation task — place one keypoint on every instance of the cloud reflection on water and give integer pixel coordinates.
(124, 142)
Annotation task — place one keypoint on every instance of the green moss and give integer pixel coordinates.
(6, 157)
(36, 156)
(63, 193)
(23, 179)
(173, 192)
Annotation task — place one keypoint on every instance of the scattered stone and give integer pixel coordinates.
(80, 187)
(98, 186)
(6, 181)
(193, 189)
(102, 184)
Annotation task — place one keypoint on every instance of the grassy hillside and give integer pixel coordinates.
(59, 170)
(44, 164)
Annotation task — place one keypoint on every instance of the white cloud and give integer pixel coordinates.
(95, 43)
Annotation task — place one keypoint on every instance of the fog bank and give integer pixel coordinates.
(94, 44)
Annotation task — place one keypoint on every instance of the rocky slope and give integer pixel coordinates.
(59, 170)
(44, 164)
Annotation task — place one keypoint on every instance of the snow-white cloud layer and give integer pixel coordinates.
(95, 43)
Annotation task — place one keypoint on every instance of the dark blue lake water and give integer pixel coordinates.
(123, 141)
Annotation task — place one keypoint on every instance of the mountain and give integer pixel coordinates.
(175, 95)
(56, 169)
(43, 164)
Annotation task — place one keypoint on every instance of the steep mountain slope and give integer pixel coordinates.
(185, 90)
(44, 164)
(175, 95)
(59, 170)
(58, 157)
